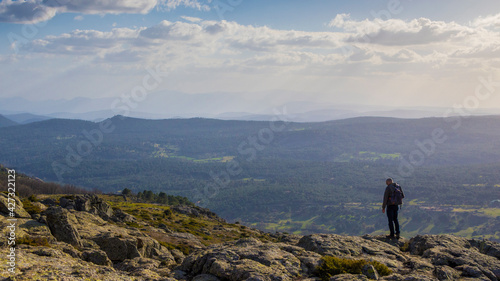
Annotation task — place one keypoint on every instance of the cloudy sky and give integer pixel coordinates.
(370, 52)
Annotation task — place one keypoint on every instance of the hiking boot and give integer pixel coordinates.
(390, 236)
(397, 236)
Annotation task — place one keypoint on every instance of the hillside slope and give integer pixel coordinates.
(296, 177)
(112, 238)
(6, 122)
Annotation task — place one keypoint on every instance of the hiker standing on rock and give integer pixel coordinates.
(393, 197)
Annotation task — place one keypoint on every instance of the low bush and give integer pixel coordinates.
(331, 266)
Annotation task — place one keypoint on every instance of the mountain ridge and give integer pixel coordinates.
(6, 122)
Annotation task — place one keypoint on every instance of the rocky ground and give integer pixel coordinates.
(88, 238)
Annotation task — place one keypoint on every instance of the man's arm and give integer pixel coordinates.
(386, 198)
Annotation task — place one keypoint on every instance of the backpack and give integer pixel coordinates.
(396, 197)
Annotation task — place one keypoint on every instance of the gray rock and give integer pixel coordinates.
(457, 253)
(19, 211)
(117, 248)
(61, 223)
(243, 259)
(496, 272)
(48, 202)
(205, 277)
(369, 271)
(349, 277)
(446, 273)
(82, 204)
(67, 203)
(120, 216)
(196, 212)
(487, 247)
(471, 271)
(421, 243)
(97, 257)
(47, 252)
(138, 264)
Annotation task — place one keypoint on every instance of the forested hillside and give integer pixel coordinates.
(295, 177)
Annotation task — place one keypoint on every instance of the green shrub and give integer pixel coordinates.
(181, 247)
(381, 268)
(30, 208)
(331, 266)
(168, 213)
(133, 224)
(33, 198)
(33, 241)
(405, 247)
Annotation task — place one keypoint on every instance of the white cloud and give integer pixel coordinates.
(396, 32)
(34, 11)
(487, 22)
(30, 11)
(191, 19)
(210, 50)
(103, 6)
(83, 42)
(172, 31)
(78, 18)
(173, 4)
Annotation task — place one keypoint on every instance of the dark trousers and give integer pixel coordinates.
(392, 215)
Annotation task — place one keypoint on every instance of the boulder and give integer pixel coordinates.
(67, 203)
(457, 253)
(244, 259)
(48, 202)
(138, 264)
(366, 247)
(39, 205)
(369, 271)
(205, 277)
(446, 273)
(349, 277)
(83, 204)
(18, 211)
(117, 248)
(97, 257)
(62, 225)
(487, 247)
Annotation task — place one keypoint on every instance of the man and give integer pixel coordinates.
(392, 208)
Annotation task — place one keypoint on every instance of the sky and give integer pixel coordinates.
(399, 53)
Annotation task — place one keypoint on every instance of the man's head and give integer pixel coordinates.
(388, 181)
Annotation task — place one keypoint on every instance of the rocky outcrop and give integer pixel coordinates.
(87, 203)
(196, 212)
(97, 257)
(62, 225)
(251, 259)
(16, 206)
(87, 240)
(366, 247)
(454, 256)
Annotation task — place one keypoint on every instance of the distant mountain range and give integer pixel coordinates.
(6, 122)
(210, 105)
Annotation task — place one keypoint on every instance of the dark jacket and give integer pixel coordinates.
(388, 191)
